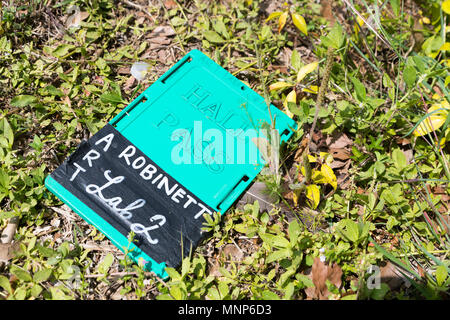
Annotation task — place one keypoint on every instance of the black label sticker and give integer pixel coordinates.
(132, 193)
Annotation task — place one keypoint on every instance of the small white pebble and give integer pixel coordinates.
(139, 70)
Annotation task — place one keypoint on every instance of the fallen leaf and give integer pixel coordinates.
(233, 252)
(327, 12)
(129, 83)
(8, 251)
(163, 31)
(159, 40)
(74, 20)
(305, 70)
(341, 154)
(338, 142)
(170, 4)
(320, 273)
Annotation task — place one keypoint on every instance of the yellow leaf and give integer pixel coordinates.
(433, 122)
(311, 158)
(295, 196)
(329, 175)
(282, 21)
(360, 21)
(313, 194)
(426, 20)
(328, 158)
(305, 70)
(312, 89)
(274, 15)
(318, 177)
(444, 139)
(279, 85)
(300, 23)
(446, 6)
(291, 97)
(445, 47)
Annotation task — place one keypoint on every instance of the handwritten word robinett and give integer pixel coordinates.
(149, 173)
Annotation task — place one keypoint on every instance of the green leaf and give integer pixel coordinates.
(112, 97)
(409, 76)
(42, 275)
(359, 89)
(21, 274)
(36, 290)
(349, 229)
(213, 36)
(7, 132)
(62, 50)
(335, 38)
(173, 274)
(378, 294)
(23, 100)
(5, 284)
(4, 179)
(106, 263)
(177, 293)
(395, 4)
(269, 295)
(294, 231)
(441, 275)
(399, 159)
(277, 255)
(220, 27)
(296, 61)
(394, 259)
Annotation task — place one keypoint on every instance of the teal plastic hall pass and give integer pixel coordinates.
(186, 147)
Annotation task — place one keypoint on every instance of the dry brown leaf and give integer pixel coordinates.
(159, 40)
(8, 251)
(320, 273)
(162, 31)
(129, 83)
(327, 12)
(170, 4)
(341, 154)
(337, 164)
(338, 142)
(75, 19)
(233, 252)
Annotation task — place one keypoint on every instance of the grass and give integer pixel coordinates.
(361, 186)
